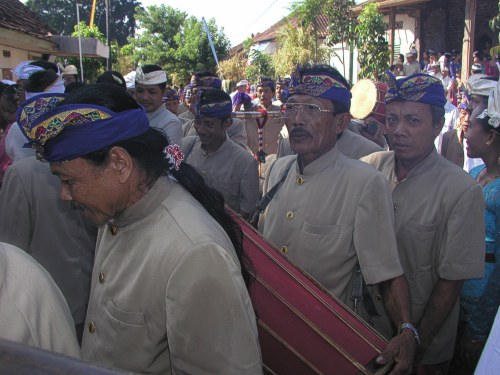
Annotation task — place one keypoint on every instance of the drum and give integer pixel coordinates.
(303, 329)
(368, 100)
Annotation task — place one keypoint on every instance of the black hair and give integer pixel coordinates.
(47, 65)
(112, 77)
(486, 125)
(147, 151)
(149, 68)
(39, 81)
(9, 97)
(73, 86)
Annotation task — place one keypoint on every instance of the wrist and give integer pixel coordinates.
(409, 327)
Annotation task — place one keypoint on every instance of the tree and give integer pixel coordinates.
(92, 67)
(176, 42)
(260, 65)
(296, 46)
(373, 49)
(307, 12)
(494, 24)
(61, 16)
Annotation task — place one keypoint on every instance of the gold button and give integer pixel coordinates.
(284, 249)
(101, 277)
(289, 215)
(91, 327)
(300, 180)
(113, 229)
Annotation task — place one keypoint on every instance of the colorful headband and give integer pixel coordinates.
(419, 87)
(221, 108)
(152, 78)
(322, 84)
(170, 94)
(66, 132)
(206, 82)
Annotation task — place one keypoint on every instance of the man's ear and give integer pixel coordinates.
(437, 129)
(342, 122)
(120, 163)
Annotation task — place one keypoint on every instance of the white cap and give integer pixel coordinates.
(70, 69)
(243, 82)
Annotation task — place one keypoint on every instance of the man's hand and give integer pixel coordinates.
(401, 349)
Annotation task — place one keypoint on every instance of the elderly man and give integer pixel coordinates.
(438, 213)
(150, 83)
(412, 66)
(209, 81)
(224, 165)
(168, 294)
(331, 212)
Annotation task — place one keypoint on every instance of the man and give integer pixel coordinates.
(209, 81)
(446, 80)
(168, 293)
(70, 74)
(434, 201)
(412, 66)
(224, 165)
(281, 91)
(436, 71)
(271, 130)
(241, 86)
(150, 83)
(171, 100)
(476, 73)
(452, 143)
(450, 120)
(332, 212)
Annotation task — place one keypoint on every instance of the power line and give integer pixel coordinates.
(260, 16)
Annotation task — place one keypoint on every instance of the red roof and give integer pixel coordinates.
(15, 16)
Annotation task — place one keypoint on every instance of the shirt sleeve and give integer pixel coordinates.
(210, 323)
(249, 187)
(15, 222)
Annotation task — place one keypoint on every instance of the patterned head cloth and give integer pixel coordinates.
(206, 80)
(482, 87)
(419, 87)
(66, 132)
(283, 82)
(187, 92)
(242, 98)
(464, 103)
(170, 94)
(213, 103)
(321, 81)
(266, 82)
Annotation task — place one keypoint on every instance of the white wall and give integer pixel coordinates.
(16, 56)
(404, 37)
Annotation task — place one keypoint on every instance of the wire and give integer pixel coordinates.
(260, 16)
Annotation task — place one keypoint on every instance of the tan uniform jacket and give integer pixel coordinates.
(452, 149)
(35, 219)
(270, 135)
(337, 212)
(167, 293)
(33, 310)
(236, 131)
(186, 116)
(230, 170)
(439, 215)
(168, 122)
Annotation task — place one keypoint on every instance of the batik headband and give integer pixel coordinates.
(170, 94)
(322, 84)
(152, 78)
(66, 132)
(421, 88)
(221, 108)
(207, 82)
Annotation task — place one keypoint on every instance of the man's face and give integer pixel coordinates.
(69, 78)
(312, 134)
(191, 101)
(265, 95)
(88, 188)
(150, 96)
(172, 106)
(242, 88)
(410, 59)
(435, 69)
(413, 131)
(464, 119)
(211, 130)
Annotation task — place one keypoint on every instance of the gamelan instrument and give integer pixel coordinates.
(368, 100)
(303, 329)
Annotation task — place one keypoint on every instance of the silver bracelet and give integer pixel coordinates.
(412, 328)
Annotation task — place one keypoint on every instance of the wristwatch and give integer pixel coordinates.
(412, 328)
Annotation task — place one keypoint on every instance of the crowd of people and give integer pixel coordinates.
(118, 191)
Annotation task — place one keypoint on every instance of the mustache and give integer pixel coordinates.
(76, 206)
(299, 132)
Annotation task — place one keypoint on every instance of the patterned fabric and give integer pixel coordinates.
(207, 82)
(420, 87)
(65, 132)
(207, 107)
(170, 94)
(241, 98)
(321, 83)
(174, 155)
(481, 297)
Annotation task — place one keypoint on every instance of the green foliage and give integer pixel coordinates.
(296, 45)
(232, 69)
(261, 65)
(92, 67)
(494, 23)
(373, 49)
(176, 42)
(307, 12)
(60, 15)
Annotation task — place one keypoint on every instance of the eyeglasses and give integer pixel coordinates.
(305, 109)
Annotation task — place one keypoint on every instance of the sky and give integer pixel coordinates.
(238, 18)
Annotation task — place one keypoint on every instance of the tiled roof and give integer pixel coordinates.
(387, 4)
(15, 16)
